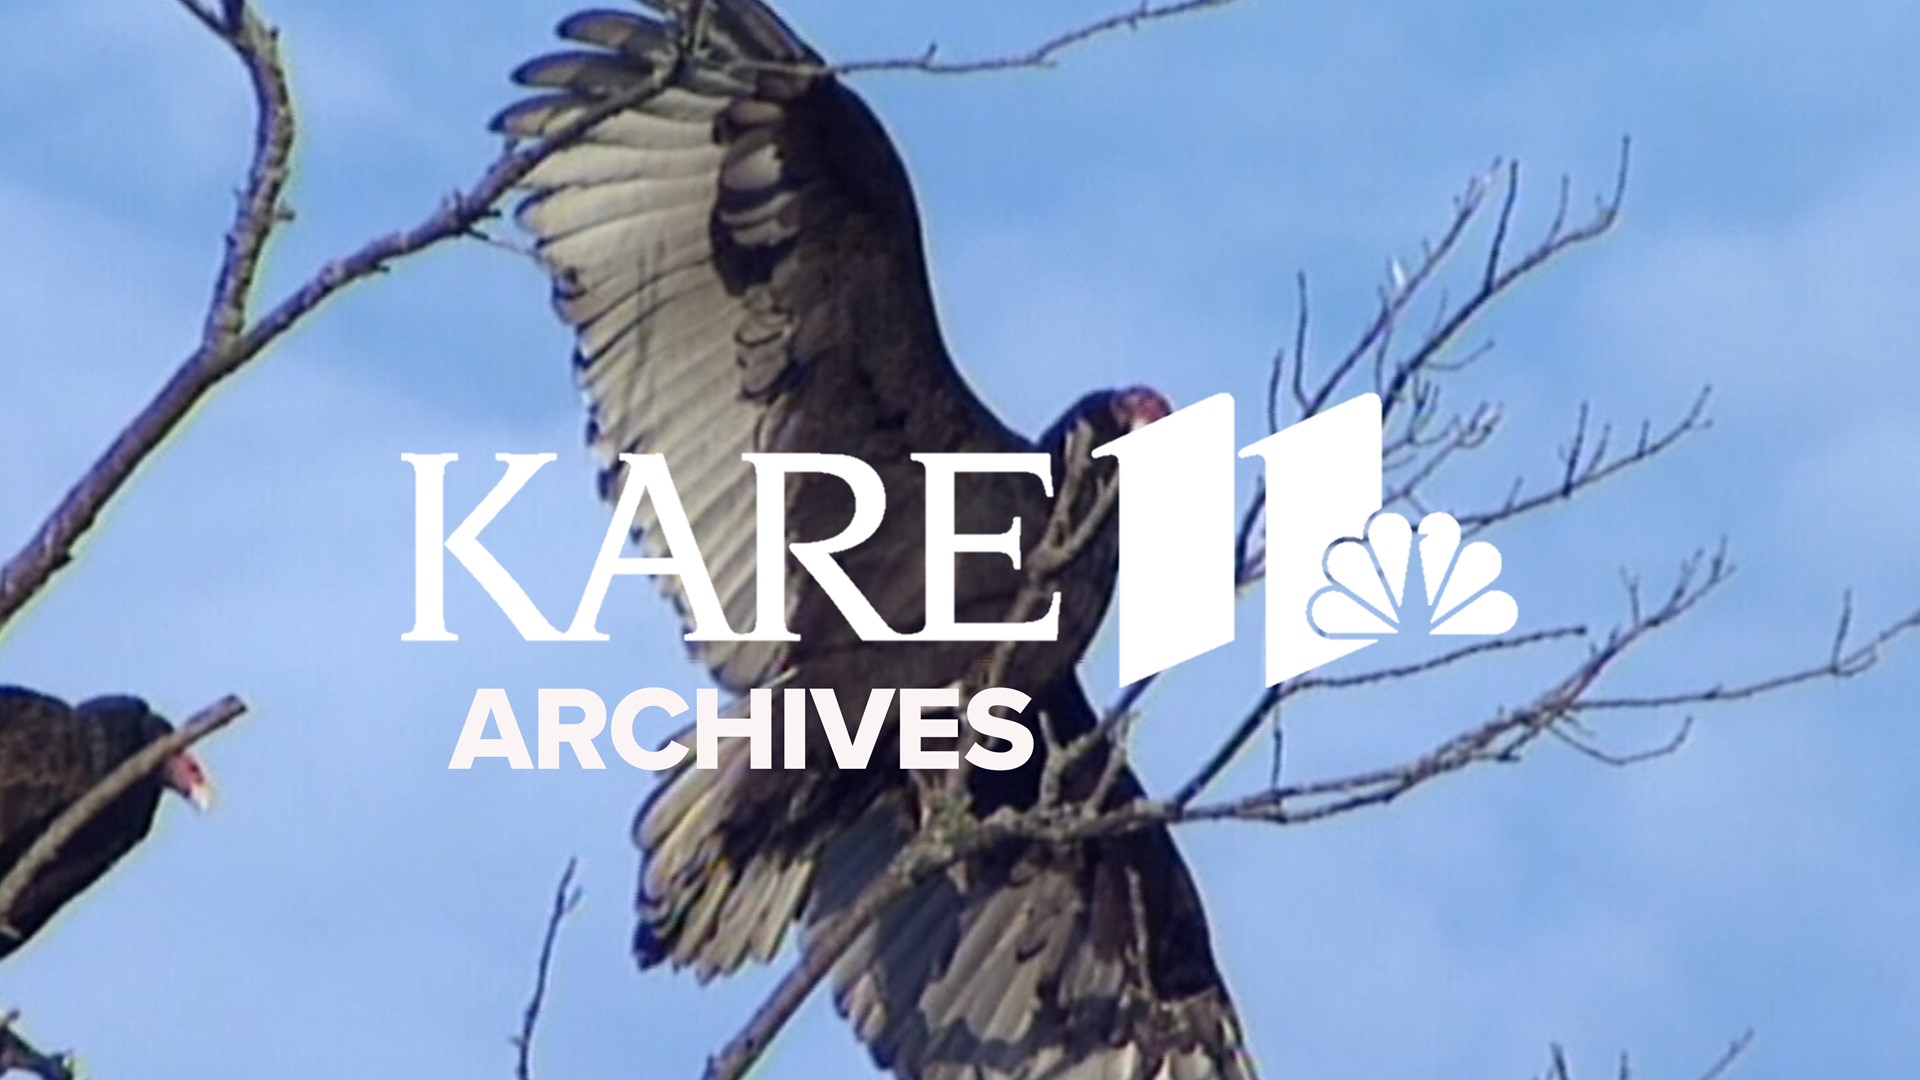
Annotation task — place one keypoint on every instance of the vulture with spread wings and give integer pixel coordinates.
(738, 250)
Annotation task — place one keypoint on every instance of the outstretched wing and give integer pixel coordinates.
(741, 257)
(1082, 962)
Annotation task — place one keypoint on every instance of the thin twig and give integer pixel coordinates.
(1275, 696)
(1041, 55)
(1729, 1057)
(1558, 1068)
(1584, 467)
(17, 1053)
(260, 207)
(566, 897)
(226, 348)
(259, 211)
(1840, 665)
(1418, 441)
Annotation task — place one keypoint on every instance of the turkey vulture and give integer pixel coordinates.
(50, 755)
(740, 256)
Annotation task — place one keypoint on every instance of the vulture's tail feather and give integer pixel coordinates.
(1033, 962)
(706, 902)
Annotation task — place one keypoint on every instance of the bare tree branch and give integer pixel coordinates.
(1729, 1057)
(1585, 465)
(1422, 438)
(260, 207)
(1559, 1068)
(1842, 663)
(230, 341)
(1276, 696)
(17, 1053)
(259, 211)
(566, 897)
(933, 850)
(1042, 55)
(1502, 739)
(115, 784)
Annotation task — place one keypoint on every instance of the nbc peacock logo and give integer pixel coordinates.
(1377, 587)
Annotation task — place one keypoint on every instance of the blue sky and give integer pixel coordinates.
(1136, 215)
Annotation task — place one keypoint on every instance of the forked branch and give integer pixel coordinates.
(16, 1053)
(1559, 1069)
(1042, 55)
(233, 336)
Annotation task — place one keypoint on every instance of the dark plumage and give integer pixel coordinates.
(50, 755)
(741, 258)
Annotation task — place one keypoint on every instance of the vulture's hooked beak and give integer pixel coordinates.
(201, 795)
(185, 775)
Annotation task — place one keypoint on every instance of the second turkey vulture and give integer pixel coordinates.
(50, 755)
(741, 259)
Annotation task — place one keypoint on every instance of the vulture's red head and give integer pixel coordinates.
(1136, 407)
(1098, 419)
(1106, 415)
(130, 724)
(184, 774)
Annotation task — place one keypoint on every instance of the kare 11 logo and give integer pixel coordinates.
(1341, 574)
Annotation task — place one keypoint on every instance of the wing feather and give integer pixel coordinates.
(1086, 961)
(741, 258)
